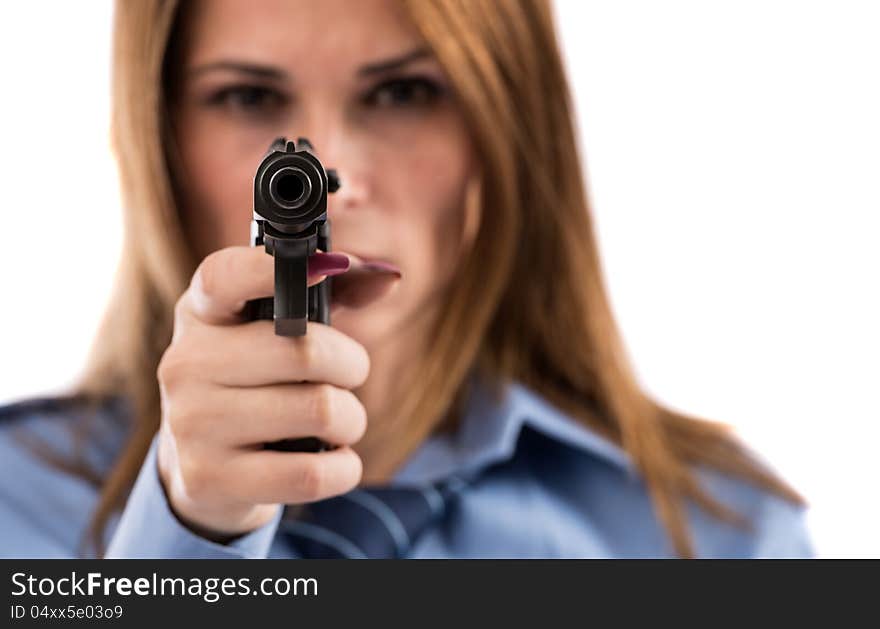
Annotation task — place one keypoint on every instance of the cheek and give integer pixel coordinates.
(429, 204)
(216, 183)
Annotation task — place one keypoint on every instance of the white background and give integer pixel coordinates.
(733, 154)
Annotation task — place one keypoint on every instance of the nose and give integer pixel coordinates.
(335, 144)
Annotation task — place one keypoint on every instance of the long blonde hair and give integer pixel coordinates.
(503, 319)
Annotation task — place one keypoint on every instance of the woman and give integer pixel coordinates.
(472, 357)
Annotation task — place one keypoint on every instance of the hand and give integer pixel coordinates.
(228, 386)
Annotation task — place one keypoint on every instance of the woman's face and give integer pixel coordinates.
(356, 79)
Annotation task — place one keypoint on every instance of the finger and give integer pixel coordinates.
(251, 355)
(256, 415)
(228, 278)
(267, 476)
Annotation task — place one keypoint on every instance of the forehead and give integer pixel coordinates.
(333, 34)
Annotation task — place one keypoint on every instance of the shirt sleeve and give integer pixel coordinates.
(148, 529)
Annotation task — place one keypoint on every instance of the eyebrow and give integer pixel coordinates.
(277, 74)
(241, 67)
(392, 64)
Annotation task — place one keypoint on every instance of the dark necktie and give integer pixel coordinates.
(377, 522)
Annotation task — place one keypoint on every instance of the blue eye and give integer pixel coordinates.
(414, 91)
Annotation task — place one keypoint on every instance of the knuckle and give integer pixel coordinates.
(355, 423)
(182, 317)
(312, 479)
(209, 274)
(183, 363)
(324, 405)
(171, 369)
(364, 365)
(180, 307)
(357, 361)
(359, 418)
(357, 466)
(196, 478)
(183, 421)
(310, 351)
(179, 366)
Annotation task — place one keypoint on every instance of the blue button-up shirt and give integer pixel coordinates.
(541, 485)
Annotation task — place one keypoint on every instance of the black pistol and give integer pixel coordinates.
(290, 220)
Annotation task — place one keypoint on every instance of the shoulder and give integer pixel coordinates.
(611, 499)
(47, 420)
(63, 424)
(597, 480)
(52, 454)
(18, 410)
(55, 406)
(775, 526)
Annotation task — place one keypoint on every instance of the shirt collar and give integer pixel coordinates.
(489, 432)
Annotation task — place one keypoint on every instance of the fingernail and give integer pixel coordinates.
(382, 267)
(330, 263)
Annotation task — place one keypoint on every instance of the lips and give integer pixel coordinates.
(365, 281)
